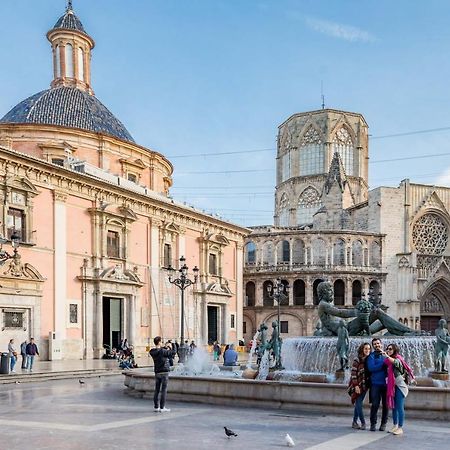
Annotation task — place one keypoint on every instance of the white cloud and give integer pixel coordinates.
(338, 30)
(444, 178)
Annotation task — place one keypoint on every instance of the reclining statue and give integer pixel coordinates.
(378, 319)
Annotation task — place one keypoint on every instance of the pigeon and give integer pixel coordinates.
(289, 441)
(81, 381)
(229, 432)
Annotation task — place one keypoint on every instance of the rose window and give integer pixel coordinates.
(430, 235)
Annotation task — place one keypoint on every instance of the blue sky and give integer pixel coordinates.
(190, 77)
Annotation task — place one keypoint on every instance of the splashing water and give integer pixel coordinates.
(318, 354)
(197, 364)
(252, 351)
(264, 366)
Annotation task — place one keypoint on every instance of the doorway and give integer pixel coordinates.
(112, 321)
(213, 313)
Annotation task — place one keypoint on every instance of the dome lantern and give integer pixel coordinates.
(71, 47)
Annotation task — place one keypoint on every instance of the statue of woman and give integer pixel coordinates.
(342, 345)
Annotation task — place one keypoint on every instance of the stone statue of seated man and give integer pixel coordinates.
(378, 319)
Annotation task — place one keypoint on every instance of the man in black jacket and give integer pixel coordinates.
(161, 363)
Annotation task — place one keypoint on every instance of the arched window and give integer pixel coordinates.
(315, 296)
(308, 204)
(268, 253)
(374, 289)
(339, 253)
(69, 61)
(339, 293)
(319, 252)
(80, 64)
(298, 252)
(357, 253)
(58, 61)
(267, 290)
(343, 144)
(299, 292)
(284, 253)
(286, 166)
(250, 253)
(250, 293)
(311, 153)
(356, 291)
(285, 299)
(375, 254)
(283, 211)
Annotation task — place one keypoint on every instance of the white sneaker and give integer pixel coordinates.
(398, 432)
(156, 410)
(393, 429)
(165, 409)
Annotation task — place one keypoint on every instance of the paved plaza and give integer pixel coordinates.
(66, 415)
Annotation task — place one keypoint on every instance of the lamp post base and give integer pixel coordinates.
(183, 351)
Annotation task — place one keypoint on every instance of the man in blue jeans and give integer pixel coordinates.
(31, 351)
(161, 356)
(377, 369)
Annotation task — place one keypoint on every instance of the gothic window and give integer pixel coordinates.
(357, 254)
(16, 222)
(286, 166)
(113, 244)
(298, 252)
(250, 253)
(375, 254)
(343, 144)
(319, 252)
(284, 252)
(308, 204)
(283, 211)
(268, 253)
(339, 253)
(69, 61)
(311, 153)
(430, 235)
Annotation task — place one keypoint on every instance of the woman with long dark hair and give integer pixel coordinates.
(358, 385)
(399, 374)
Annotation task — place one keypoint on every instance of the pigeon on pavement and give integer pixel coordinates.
(81, 381)
(229, 432)
(289, 441)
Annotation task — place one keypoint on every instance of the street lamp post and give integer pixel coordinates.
(15, 242)
(277, 293)
(182, 282)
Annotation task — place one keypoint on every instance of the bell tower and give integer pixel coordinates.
(71, 47)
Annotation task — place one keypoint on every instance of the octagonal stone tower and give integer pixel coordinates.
(314, 149)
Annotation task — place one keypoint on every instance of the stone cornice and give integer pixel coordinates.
(49, 176)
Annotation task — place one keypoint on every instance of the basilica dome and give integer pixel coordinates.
(69, 107)
(70, 102)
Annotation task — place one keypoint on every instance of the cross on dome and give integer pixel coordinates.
(69, 6)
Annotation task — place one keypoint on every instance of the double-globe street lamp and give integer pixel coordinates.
(182, 282)
(278, 292)
(15, 242)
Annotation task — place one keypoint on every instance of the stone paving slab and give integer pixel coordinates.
(65, 415)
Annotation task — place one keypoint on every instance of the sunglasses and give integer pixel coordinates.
(390, 349)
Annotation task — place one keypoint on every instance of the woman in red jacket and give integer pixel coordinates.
(358, 385)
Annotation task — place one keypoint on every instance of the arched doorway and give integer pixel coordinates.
(356, 291)
(339, 293)
(250, 293)
(315, 296)
(267, 290)
(435, 305)
(299, 292)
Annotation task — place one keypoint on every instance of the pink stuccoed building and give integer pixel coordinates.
(98, 228)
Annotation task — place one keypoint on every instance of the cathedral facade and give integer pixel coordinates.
(389, 242)
(98, 228)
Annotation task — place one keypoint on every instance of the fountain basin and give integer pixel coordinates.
(422, 402)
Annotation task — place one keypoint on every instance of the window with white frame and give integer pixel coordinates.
(113, 244)
(212, 264)
(167, 259)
